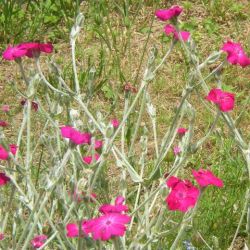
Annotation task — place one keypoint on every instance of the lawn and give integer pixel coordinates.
(110, 86)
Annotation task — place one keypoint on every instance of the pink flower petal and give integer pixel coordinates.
(3, 154)
(166, 14)
(206, 177)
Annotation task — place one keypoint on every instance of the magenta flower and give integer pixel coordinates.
(170, 29)
(117, 208)
(183, 195)
(177, 150)
(3, 153)
(34, 49)
(12, 53)
(73, 230)
(206, 177)
(235, 54)
(4, 179)
(6, 108)
(26, 49)
(3, 123)
(223, 99)
(1, 236)
(181, 131)
(88, 159)
(13, 148)
(75, 136)
(167, 14)
(38, 240)
(107, 226)
(115, 123)
(98, 144)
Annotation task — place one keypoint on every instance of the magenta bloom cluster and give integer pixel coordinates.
(27, 49)
(4, 154)
(184, 194)
(169, 29)
(236, 54)
(75, 136)
(110, 224)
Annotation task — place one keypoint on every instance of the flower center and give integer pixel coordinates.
(108, 222)
(181, 195)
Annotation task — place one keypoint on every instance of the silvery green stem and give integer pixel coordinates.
(161, 185)
(116, 244)
(144, 100)
(37, 62)
(55, 231)
(194, 61)
(243, 212)
(124, 174)
(38, 141)
(20, 134)
(210, 248)
(178, 237)
(20, 64)
(28, 147)
(133, 174)
(155, 137)
(25, 230)
(125, 117)
(33, 209)
(62, 165)
(32, 228)
(48, 241)
(76, 81)
(143, 84)
(146, 219)
(153, 202)
(90, 116)
(123, 127)
(11, 198)
(73, 36)
(138, 122)
(202, 140)
(139, 189)
(173, 42)
(167, 142)
(234, 130)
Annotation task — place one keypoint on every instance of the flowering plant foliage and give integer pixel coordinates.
(112, 156)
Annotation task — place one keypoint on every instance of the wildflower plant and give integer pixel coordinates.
(57, 203)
